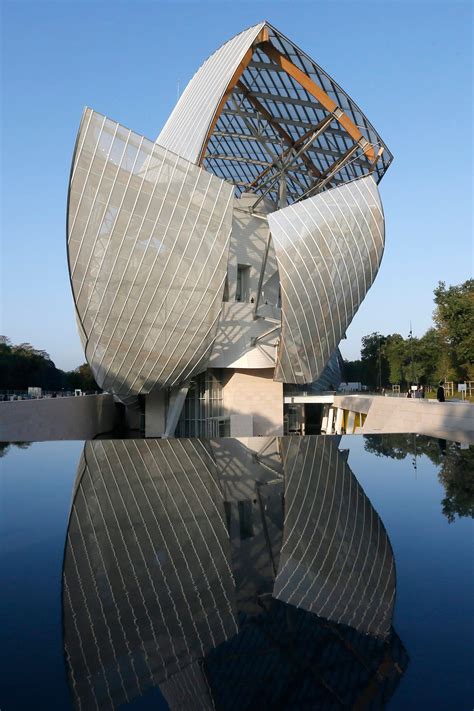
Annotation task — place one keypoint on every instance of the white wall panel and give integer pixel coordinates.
(148, 240)
(328, 248)
(186, 129)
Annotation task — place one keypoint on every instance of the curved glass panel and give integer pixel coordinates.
(328, 248)
(331, 377)
(148, 240)
(186, 129)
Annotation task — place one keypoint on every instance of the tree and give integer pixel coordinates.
(353, 371)
(81, 378)
(22, 366)
(429, 356)
(374, 360)
(454, 318)
(396, 353)
(446, 351)
(400, 446)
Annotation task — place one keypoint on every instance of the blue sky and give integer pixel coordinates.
(407, 64)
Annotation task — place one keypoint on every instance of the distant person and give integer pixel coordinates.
(409, 391)
(422, 391)
(440, 392)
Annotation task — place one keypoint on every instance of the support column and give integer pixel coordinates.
(176, 402)
(339, 420)
(350, 423)
(330, 421)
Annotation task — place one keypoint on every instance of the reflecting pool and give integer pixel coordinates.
(256, 573)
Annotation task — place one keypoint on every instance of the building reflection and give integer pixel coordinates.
(233, 574)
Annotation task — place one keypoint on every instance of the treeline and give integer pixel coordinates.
(22, 366)
(444, 352)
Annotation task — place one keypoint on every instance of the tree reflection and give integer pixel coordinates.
(457, 477)
(456, 471)
(5, 446)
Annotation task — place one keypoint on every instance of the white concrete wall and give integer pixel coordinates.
(56, 418)
(237, 325)
(248, 243)
(448, 420)
(241, 425)
(254, 392)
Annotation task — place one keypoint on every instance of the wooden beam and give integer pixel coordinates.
(312, 88)
(281, 61)
(261, 38)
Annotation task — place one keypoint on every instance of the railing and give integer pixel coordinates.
(8, 395)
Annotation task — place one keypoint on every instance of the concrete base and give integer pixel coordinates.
(254, 393)
(155, 414)
(56, 418)
(447, 420)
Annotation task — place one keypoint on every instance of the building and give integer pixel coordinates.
(223, 262)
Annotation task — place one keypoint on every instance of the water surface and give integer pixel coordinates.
(312, 572)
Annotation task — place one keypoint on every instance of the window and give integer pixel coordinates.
(203, 411)
(243, 278)
(245, 519)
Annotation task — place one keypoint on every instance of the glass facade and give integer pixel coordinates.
(203, 414)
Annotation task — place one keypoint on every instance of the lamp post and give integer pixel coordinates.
(380, 365)
(410, 338)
